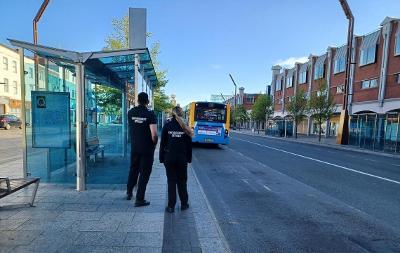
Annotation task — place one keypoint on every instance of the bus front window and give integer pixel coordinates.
(210, 114)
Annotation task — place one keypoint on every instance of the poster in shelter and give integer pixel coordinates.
(51, 127)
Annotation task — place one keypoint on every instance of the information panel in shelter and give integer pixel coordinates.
(51, 126)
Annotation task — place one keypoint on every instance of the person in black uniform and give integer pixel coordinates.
(143, 132)
(176, 153)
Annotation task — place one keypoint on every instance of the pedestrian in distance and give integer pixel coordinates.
(176, 153)
(143, 133)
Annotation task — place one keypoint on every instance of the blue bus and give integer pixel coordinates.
(209, 121)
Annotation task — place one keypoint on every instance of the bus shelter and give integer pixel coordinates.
(66, 127)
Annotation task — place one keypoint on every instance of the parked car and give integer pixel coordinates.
(7, 121)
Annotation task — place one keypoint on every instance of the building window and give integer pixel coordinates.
(6, 89)
(31, 72)
(14, 66)
(5, 63)
(41, 74)
(303, 77)
(367, 84)
(15, 86)
(398, 78)
(340, 65)
(250, 100)
(340, 89)
(368, 55)
(278, 84)
(397, 46)
(319, 71)
(289, 82)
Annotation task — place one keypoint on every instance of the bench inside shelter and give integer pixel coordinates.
(93, 147)
(9, 186)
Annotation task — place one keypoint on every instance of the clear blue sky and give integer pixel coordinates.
(203, 40)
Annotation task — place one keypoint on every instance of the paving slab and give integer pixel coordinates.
(102, 220)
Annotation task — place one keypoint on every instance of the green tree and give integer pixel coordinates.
(240, 114)
(297, 108)
(119, 40)
(262, 109)
(109, 99)
(321, 106)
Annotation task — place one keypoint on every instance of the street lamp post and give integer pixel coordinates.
(233, 81)
(343, 133)
(35, 38)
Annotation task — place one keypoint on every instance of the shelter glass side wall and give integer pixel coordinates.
(49, 163)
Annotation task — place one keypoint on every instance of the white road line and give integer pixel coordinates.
(266, 187)
(371, 160)
(324, 162)
(252, 187)
(398, 165)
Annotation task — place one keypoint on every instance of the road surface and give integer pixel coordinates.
(270, 195)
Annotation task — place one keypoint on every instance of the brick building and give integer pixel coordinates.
(374, 89)
(247, 100)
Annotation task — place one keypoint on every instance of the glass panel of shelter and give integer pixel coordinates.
(50, 164)
(105, 161)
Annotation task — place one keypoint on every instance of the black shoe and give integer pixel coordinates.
(142, 203)
(128, 197)
(184, 207)
(169, 209)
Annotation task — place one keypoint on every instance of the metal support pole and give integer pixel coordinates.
(64, 83)
(35, 39)
(46, 74)
(23, 111)
(80, 128)
(343, 133)
(136, 80)
(124, 123)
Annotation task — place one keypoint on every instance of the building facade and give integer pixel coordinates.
(10, 87)
(374, 89)
(246, 100)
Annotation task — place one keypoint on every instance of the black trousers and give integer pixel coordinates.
(177, 178)
(141, 166)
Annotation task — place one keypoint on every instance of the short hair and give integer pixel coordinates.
(143, 98)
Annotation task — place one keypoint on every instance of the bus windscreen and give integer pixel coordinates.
(210, 112)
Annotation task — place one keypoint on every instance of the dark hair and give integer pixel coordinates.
(143, 98)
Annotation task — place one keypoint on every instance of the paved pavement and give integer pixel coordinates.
(276, 196)
(101, 220)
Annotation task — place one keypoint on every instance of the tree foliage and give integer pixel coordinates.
(262, 108)
(321, 106)
(120, 40)
(240, 114)
(297, 108)
(109, 99)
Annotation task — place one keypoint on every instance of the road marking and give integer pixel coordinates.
(368, 159)
(398, 165)
(266, 187)
(261, 164)
(251, 186)
(324, 162)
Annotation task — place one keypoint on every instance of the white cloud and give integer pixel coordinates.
(290, 62)
(215, 66)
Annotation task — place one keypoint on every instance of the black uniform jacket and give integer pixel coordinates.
(140, 118)
(175, 143)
